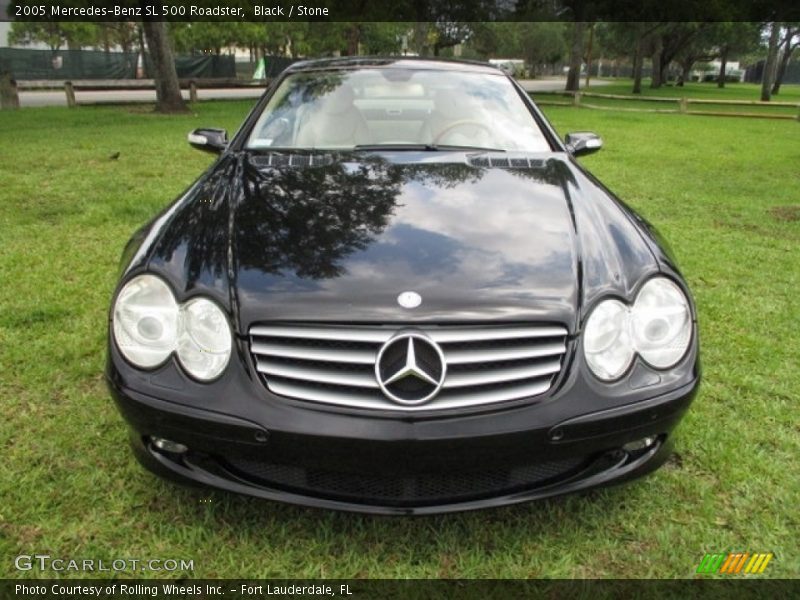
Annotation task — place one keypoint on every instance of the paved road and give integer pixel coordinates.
(58, 98)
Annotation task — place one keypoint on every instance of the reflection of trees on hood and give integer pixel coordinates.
(197, 233)
(304, 220)
(442, 175)
(307, 219)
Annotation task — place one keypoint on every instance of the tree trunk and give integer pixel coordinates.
(140, 36)
(353, 38)
(575, 57)
(589, 55)
(723, 67)
(785, 57)
(637, 70)
(686, 71)
(655, 79)
(420, 38)
(638, 61)
(168, 91)
(8, 92)
(769, 66)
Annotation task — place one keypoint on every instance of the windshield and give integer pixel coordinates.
(395, 108)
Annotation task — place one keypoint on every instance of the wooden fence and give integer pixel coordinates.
(683, 105)
(9, 88)
(10, 98)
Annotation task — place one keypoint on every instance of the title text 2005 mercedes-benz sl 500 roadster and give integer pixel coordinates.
(396, 291)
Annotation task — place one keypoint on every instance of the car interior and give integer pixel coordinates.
(368, 109)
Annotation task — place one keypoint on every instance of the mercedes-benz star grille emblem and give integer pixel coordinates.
(410, 368)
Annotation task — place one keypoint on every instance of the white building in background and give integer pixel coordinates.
(733, 70)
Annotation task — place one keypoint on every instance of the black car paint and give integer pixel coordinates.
(338, 242)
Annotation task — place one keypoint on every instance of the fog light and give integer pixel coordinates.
(639, 444)
(169, 445)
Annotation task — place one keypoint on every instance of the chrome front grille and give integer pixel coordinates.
(335, 364)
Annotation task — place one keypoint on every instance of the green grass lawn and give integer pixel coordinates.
(725, 192)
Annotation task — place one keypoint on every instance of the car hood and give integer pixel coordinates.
(340, 238)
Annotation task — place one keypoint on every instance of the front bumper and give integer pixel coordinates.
(402, 466)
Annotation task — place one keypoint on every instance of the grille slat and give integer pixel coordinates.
(375, 400)
(487, 377)
(469, 334)
(469, 355)
(366, 357)
(334, 364)
(321, 375)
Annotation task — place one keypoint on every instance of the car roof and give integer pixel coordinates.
(394, 62)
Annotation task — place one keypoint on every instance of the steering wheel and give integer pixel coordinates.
(461, 123)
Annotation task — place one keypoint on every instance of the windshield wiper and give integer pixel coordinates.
(421, 147)
(409, 147)
(471, 148)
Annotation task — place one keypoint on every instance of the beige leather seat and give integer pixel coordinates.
(335, 122)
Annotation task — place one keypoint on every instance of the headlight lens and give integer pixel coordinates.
(149, 325)
(606, 340)
(146, 321)
(658, 327)
(661, 323)
(204, 344)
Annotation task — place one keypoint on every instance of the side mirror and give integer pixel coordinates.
(209, 140)
(582, 143)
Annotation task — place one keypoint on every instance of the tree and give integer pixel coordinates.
(205, 37)
(123, 34)
(431, 37)
(538, 43)
(575, 56)
(589, 53)
(616, 41)
(655, 60)
(667, 43)
(702, 48)
(791, 40)
(542, 43)
(768, 76)
(74, 35)
(732, 39)
(383, 37)
(642, 35)
(168, 91)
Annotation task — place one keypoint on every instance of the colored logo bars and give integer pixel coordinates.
(735, 562)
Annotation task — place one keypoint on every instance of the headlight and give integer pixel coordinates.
(606, 340)
(146, 321)
(661, 323)
(149, 325)
(204, 345)
(658, 327)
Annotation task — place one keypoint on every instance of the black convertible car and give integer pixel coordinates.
(396, 291)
